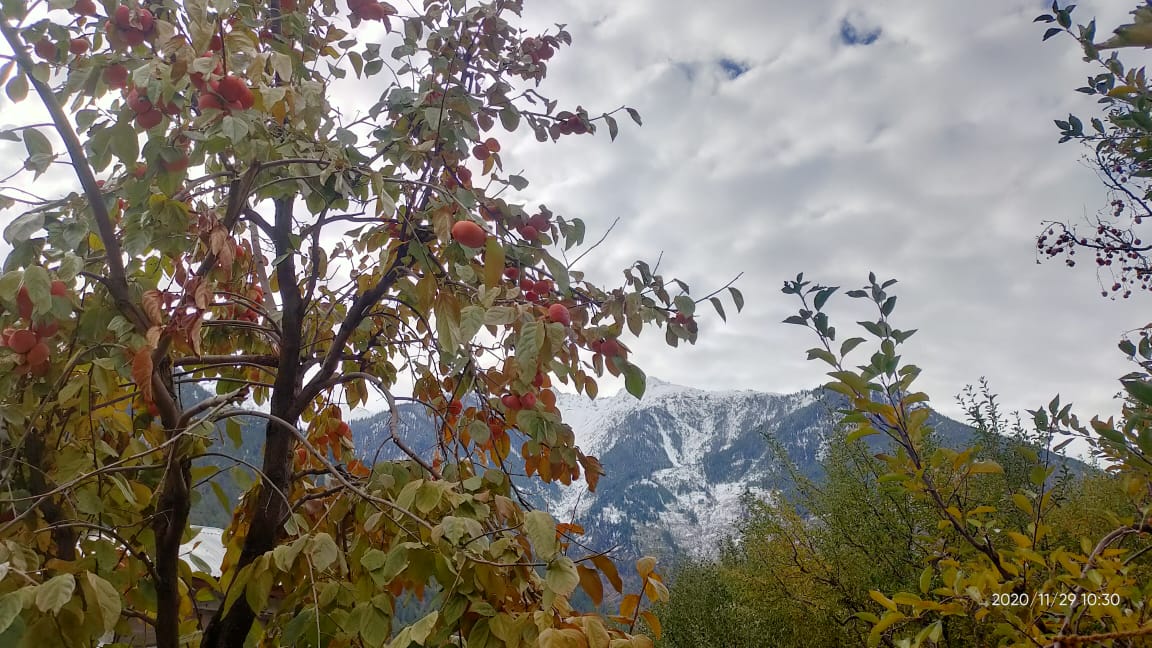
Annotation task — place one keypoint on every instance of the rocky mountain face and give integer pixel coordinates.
(678, 461)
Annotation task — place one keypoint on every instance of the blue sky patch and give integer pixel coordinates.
(850, 34)
(733, 69)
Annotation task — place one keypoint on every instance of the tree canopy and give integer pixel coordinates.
(302, 206)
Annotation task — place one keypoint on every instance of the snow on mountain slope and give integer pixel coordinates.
(665, 491)
(678, 460)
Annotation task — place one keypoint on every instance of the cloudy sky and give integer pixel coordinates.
(834, 137)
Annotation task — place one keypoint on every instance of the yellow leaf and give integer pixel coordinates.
(926, 579)
(962, 458)
(984, 468)
(1020, 539)
(1122, 90)
(595, 632)
(493, 262)
(1022, 502)
(882, 600)
(628, 605)
(645, 566)
(652, 622)
(566, 638)
(655, 590)
(904, 598)
(279, 111)
(1068, 564)
(888, 621)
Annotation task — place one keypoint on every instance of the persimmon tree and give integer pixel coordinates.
(301, 205)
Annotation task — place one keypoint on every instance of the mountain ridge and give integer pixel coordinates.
(678, 461)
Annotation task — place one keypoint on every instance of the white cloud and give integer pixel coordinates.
(929, 156)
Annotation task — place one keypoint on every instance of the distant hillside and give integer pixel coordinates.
(678, 461)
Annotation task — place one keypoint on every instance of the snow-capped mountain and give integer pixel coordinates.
(678, 461)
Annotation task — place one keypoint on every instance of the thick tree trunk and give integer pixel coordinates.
(230, 630)
(173, 505)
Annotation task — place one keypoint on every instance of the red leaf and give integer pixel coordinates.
(142, 372)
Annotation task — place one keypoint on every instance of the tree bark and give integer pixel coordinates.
(231, 629)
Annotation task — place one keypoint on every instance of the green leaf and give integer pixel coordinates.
(234, 129)
(55, 593)
(36, 142)
(559, 272)
(375, 626)
(23, 227)
(518, 182)
(613, 127)
(684, 304)
(373, 559)
(528, 346)
(284, 556)
(10, 606)
(422, 628)
(500, 315)
(480, 432)
(125, 143)
(323, 551)
(106, 597)
(634, 380)
(510, 119)
(17, 88)
(822, 354)
(428, 497)
(737, 298)
(39, 285)
(849, 344)
(562, 576)
(719, 306)
(471, 321)
(822, 297)
(396, 563)
(1139, 390)
(294, 630)
(541, 530)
